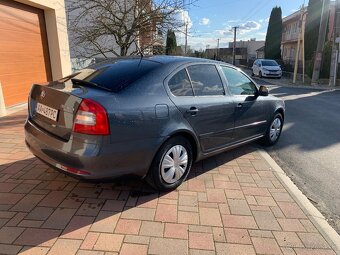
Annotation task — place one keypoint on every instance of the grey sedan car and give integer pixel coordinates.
(152, 117)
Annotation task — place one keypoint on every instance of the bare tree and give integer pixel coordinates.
(109, 28)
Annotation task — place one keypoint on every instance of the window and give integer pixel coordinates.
(205, 80)
(180, 85)
(117, 74)
(238, 83)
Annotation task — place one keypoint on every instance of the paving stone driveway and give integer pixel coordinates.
(230, 204)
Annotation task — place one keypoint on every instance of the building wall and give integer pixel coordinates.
(251, 47)
(56, 27)
(291, 32)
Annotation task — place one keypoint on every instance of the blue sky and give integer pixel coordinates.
(212, 19)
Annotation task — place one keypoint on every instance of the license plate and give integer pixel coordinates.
(48, 112)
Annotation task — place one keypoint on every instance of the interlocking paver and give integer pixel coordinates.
(313, 240)
(105, 222)
(210, 217)
(65, 247)
(237, 249)
(266, 220)
(125, 226)
(288, 239)
(134, 249)
(150, 228)
(267, 246)
(237, 235)
(179, 231)
(166, 213)
(36, 236)
(167, 246)
(9, 234)
(78, 227)
(108, 242)
(201, 241)
(232, 203)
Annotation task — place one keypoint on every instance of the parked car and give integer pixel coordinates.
(266, 68)
(152, 117)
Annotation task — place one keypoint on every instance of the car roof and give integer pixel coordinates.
(161, 59)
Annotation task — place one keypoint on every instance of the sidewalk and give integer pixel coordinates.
(237, 202)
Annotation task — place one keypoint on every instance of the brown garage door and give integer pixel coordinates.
(24, 57)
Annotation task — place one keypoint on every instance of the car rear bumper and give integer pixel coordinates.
(90, 160)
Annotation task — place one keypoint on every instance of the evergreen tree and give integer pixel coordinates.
(312, 28)
(171, 44)
(274, 35)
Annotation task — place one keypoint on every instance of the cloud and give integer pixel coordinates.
(205, 21)
(183, 18)
(250, 25)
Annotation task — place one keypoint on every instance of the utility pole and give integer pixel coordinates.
(298, 44)
(218, 48)
(335, 47)
(186, 38)
(321, 41)
(234, 46)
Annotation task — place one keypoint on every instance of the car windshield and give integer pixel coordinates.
(115, 75)
(269, 63)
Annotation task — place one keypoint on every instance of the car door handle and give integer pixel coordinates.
(239, 105)
(193, 111)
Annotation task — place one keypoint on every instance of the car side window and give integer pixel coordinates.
(180, 85)
(205, 80)
(238, 83)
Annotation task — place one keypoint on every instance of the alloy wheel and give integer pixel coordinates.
(275, 129)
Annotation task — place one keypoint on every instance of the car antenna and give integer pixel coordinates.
(140, 53)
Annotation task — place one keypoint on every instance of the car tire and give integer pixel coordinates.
(260, 74)
(169, 167)
(252, 73)
(274, 130)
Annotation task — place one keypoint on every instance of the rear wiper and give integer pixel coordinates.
(78, 81)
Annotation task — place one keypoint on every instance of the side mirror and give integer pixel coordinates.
(263, 91)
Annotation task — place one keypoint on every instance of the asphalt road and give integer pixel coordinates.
(309, 148)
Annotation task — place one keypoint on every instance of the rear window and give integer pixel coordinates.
(116, 75)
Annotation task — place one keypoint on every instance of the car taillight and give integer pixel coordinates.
(91, 119)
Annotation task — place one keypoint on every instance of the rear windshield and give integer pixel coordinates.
(269, 63)
(116, 75)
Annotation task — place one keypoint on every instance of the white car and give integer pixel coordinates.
(266, 68)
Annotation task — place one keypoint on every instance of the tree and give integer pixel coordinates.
(274, 35)
(312, 28)
(107, 28)
(171, 44)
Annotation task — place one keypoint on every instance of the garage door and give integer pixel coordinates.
(24, 57)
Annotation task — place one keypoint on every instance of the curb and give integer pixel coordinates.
(313, 214)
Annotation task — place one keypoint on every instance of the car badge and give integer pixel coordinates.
(43, 94)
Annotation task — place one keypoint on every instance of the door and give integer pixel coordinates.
(198, 93)
(23, 49)
(250, 115)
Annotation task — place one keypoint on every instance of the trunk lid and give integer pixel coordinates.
(44, 101)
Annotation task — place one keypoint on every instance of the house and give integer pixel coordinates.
(251, 45)
(226, 54)
(260, 52)
(33, 46)
(290, 32)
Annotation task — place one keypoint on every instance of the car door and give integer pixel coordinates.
(199, 94)
(250, 115)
